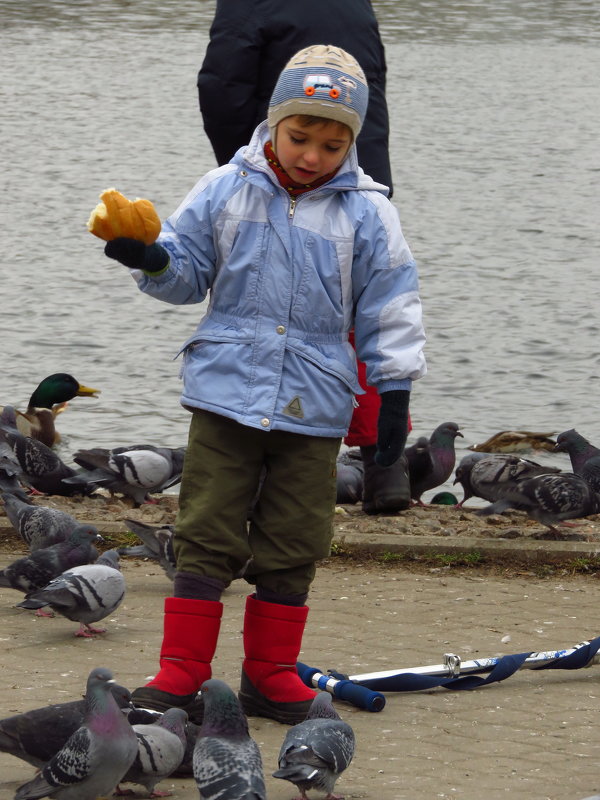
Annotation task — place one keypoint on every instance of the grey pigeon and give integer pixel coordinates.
(35, 736)
(38, 466)
(9, 480)
(37, 569)
(158, 544)
(462, 475)
(430, 465)
(487, 475)
(38, 526)
(161, 748)
(585, 457)
(94, 758)
(134, 471)
(549, 499)
(315, 752)
(350, 471)
(419, 462)
(8, 418)
(147, 716)
(227, 761)
(84, 594)
(9, 467)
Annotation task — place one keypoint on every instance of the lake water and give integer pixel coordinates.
(495, 111)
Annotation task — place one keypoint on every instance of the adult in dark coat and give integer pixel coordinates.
(250, 43)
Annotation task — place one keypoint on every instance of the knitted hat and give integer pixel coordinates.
(322, 81)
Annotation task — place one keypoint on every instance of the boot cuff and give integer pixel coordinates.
(205, 608)
(260, 608)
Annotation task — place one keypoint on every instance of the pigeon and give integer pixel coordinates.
(315, 752)
(462, 475)
(227, 762)
(133, 471)
(8, 421)
(37, 569)
(84, 594)
(585, 457)
(158, 544)
(161, 748)
(548, 499)
(430, 462)
(486, 475)
(187, 764)
(38, 526)
(349, 478)
(38, 466)
(35, 736)
(9, 468)
(9, 479)
(147, 716)
(419, 461)
(94, 758)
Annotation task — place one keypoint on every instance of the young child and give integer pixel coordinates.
(297, 246)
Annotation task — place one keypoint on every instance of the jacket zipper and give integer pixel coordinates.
(292, 207)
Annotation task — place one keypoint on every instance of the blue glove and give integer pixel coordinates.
(392, 426)
(137, 255)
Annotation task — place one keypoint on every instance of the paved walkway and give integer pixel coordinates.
(533, 736)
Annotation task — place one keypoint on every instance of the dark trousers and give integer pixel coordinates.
(291, 525)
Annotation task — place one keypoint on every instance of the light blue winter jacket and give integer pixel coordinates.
(288, 280)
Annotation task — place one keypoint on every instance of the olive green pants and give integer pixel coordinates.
(291, 525)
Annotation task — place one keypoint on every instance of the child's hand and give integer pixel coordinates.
(392, 427)
(136, 255)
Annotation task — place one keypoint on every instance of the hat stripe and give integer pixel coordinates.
(311, 84)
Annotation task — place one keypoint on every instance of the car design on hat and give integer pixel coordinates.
(320, 84)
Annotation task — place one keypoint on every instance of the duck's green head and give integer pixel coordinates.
(444, 499)
(59, 388)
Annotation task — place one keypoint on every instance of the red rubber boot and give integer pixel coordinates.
(191, 630)
(270, 685)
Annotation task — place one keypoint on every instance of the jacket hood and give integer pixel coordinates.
(350, 176)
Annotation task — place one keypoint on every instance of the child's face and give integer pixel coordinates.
(307, 153)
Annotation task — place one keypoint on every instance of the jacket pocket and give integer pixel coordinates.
(319, 394)
(331, 364)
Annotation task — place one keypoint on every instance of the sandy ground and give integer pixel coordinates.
(532, 736)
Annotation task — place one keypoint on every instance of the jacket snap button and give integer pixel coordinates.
(280, 329)
(264, 422)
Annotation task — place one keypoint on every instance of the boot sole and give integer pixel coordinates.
(156, 700)
(257, 705)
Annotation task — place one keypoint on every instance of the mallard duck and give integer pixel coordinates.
(515, 441)
(444, 499)
(48, 400)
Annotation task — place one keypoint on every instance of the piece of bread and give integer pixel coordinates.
(117, 216)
